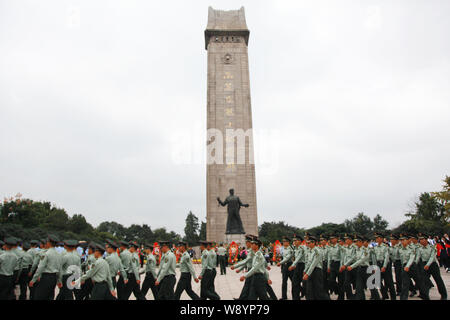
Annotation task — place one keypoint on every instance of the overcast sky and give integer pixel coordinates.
(93, 95)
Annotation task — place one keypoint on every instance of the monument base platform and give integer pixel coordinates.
(238, 238)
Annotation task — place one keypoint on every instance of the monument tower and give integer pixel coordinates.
(229, 110)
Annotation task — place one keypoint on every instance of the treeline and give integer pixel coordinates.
(431, 215)
(28, 219)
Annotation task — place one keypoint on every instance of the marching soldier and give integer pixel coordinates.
(125, 259)
(257, 273)
(206, 291)
(39, 253)
(70, 265)
(334, 259)
(246, 263)
(212, 258)
(150, 273)
(349, 256)
(382, 260)
(269, 288)
(323, 246)
(33, 252)
(166, 274)
(86, 288)
(428, 265)
(285, 263)
(100, 276)
(298, 266)
(27, 262)
(221, 254)
(313, 275)
(8, 261)
(360, 265)
(114, 263)
(212, 261)
(18, 268)
(407, 257)
(47, 272)
(395, 259)
(187, 272)
(414, 245)
(133, 285)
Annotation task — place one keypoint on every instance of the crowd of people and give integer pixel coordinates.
(333, 266)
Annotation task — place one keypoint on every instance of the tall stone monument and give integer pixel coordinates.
(229, 114)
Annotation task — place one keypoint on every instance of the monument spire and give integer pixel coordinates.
(229, 123)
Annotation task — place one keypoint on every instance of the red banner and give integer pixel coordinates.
(157, 252)
(276, 250)
(233, 252)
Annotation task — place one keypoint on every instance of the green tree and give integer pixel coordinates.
(79, 225)
(379, 224)
(112, 227)
(202, 234)
(56, 219)
(271, 231)
(428, 208)
(192, 228)
(361, 224)
(328, 228)
(443, 197)
(162, 234)
(428, 216)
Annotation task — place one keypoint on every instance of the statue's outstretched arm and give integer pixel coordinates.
(243, 204)
(223, 204)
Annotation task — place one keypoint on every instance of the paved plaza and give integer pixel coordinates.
(228, 286)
